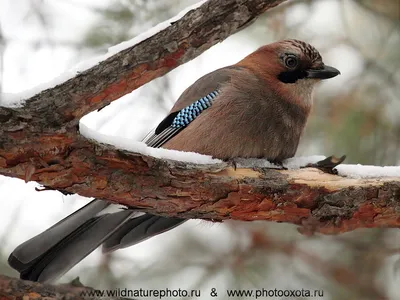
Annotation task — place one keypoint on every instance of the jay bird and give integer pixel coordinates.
(256, 108)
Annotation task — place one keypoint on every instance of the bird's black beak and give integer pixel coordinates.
(324, 73)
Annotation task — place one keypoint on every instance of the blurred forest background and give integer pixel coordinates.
(357, 114)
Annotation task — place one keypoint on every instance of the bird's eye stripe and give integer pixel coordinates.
(191, 112)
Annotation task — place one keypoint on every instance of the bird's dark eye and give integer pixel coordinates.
(291, 61)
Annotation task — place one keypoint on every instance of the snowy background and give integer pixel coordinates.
(356, 114)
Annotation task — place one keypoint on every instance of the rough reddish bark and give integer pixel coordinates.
(308, 197)
(40, 142)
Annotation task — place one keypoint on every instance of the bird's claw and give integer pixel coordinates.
(328, 164)
(234, 162)
(279, 164)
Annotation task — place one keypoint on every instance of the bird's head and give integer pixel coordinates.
(291, 68)
(296, 60)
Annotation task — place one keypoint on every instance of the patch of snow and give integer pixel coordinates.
(353, 171)
(363, 171)
(142, 148)
(18, 99)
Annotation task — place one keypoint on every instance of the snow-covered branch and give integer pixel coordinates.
(39, 141)
(95, 83)
(254, 191)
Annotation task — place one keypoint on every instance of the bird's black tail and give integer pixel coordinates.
(52, 253)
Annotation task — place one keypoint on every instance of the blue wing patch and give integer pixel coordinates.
(177, 121)
(191, 112)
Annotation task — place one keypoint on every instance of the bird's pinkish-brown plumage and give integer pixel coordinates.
(249, 120)
(256, 115)
(255, 108)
